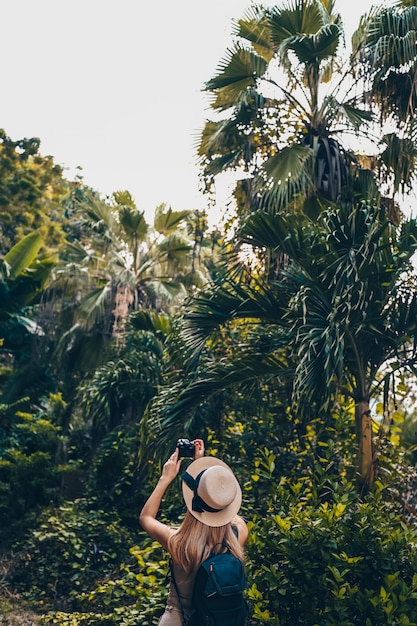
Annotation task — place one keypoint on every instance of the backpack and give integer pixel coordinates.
(218, 598)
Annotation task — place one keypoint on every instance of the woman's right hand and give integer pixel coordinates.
(199, 448)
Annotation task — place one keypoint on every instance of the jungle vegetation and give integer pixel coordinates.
(286, 338)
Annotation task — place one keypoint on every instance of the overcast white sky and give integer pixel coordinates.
(114, 86)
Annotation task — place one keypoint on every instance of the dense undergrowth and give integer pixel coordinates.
(318, 553)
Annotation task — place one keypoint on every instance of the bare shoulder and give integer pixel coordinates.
(242, 529)
(157, 530)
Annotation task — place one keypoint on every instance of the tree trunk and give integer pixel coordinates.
(363, 421)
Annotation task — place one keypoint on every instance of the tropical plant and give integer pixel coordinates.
(24, 274)
(115, 263)
(386, 61)
(112, 401)
(69, 548)
(30, 478)
(315, 550)
(338, 561)
(276, 121)
(33, 194)
(339, 320)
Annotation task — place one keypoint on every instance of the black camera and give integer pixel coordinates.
(186, 448)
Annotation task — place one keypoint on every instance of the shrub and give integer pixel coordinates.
(343, 561)
(72, 548)
(29, 476)
(136, 596)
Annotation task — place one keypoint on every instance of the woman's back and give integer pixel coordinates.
(213, 497)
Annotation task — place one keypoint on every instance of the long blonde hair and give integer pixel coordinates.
(193, 542)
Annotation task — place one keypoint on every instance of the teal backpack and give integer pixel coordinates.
(218, 593)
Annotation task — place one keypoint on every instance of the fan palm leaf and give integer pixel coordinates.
(133, 223)
(391, 36)
(254, 27)
(237, 72)
(166, 221)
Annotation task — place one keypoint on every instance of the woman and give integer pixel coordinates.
(213, 497)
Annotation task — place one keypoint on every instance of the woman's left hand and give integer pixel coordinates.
(171, 467)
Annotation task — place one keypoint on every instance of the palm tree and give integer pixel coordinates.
(276, 124)
(339, 320)
(135, 266)
(116, 263)
(385, 44)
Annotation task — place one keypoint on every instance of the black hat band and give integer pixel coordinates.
(198, 505)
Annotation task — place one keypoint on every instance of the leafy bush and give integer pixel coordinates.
(345, 561)
(136, 596)
(29, 476)
(318, 554)
(71, 549)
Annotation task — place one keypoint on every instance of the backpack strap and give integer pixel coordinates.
(177, 591)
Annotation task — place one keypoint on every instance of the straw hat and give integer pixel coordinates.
(211, 491)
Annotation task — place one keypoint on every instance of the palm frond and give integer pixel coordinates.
(133, 223)
(173, 247)
(220, 138)
(391, 36)
(254, 27)
(237, 72)
(150, 320)
(166, 221)
(289, 21)
(288, 165)
(211, 310)
(317, 46)
(288, 172)
(356, 117)
(407, 240)
(400, 159)
(96, 213)
(178, 408)
(93, 306)
(276, 232)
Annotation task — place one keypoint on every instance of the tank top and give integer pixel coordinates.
(175, 607)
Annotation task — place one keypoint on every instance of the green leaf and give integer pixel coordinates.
(288, 164)
(22, 255)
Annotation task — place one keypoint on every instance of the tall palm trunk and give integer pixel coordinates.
(365, 461)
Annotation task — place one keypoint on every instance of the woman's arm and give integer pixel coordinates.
(147, 518)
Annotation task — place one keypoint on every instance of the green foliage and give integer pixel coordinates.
(136, 596)
(290, 98)
(336, 560)
(29, 476)
(317, 554)
(32, 193)
(118, 391)
(69, 549)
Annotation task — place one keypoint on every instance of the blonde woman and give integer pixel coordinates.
(213, 497)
